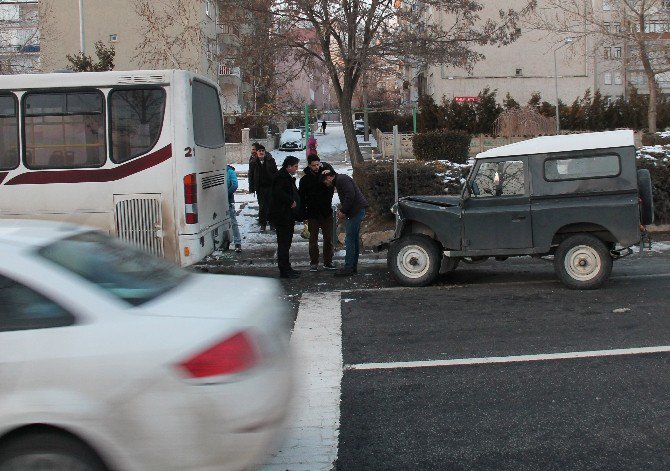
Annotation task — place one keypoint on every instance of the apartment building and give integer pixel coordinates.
(544, 61)
(183, 34)
(19, 37)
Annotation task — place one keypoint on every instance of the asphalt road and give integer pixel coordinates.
(531, 413)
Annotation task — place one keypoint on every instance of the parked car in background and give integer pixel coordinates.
(576, 200)
(111, 358)
(292, 139)
(359, 126)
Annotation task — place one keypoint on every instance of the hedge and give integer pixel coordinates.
(375, 179)
(442, 145)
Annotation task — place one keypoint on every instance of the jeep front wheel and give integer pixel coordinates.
(582, 261)
(414, 260)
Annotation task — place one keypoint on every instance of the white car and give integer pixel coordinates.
(114, 359)
(292, 139)
(359, 126)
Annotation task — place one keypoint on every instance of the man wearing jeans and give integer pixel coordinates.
(352, 208)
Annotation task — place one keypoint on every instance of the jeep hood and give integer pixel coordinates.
(445, 201)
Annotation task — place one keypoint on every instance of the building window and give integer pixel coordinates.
(616, 53)
(607, 52)
(608, 78)
(519, 72)
(607, 5)
(618, 79)
(665, 4)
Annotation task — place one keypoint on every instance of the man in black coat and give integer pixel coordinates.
(252, 163)
(263, 175)
(317, 199)
(352, 208)
(284, 208)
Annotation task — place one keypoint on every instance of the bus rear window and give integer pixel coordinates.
(64, 130)
(9, 133)
(207, 118)
(137, 120)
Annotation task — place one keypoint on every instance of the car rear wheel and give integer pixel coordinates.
(48, 452)
(414, 260)
(582, 261)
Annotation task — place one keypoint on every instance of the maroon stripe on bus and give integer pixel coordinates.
(97, 175)
(2, 176)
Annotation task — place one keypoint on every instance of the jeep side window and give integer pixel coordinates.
(577, 168)
(512, 178)
(483, 184)
(499, 179)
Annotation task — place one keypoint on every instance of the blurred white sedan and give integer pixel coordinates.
(292, 139)
(113, 359)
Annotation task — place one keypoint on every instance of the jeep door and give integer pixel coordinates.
(497, 213)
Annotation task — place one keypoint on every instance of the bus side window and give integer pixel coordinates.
(65, 129)
(9, 133)
(136, 121)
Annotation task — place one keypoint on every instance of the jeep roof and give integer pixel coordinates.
(565, 143)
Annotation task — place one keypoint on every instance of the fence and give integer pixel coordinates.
(479, 143)
(238, 153)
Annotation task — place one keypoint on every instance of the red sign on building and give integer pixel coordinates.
(466, 99)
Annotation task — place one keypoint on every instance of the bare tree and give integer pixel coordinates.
(638, 29)
(173, 34)
(350, 34)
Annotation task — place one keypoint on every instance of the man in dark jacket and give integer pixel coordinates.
(284, 207)
(264, 172)
(352, 208)
(252, 164)
(316, 199)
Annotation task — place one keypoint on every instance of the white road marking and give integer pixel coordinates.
(509, 359)
(311, 436)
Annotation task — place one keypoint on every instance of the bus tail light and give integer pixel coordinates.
(191, 198)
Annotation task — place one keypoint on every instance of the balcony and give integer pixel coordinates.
(229, 76)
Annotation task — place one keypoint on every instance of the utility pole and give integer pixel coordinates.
(82, 46)
(306, 122)
(366, 132)
(414, 117)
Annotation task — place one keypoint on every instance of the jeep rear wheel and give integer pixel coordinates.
(414, 260)
(582, 261)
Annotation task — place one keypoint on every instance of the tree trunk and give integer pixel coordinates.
(652, 109)
(349, 131)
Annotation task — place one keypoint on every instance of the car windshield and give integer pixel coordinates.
(124, 271)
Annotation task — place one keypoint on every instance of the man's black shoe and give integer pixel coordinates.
(290, 274)
(346, 271)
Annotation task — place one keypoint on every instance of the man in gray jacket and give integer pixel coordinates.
(352, 208)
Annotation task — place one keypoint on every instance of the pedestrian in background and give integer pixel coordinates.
(352, 208)
(264, 172)
(317, 199)
(323, 126)
(252, 163)
(232, 187)
(284, 210)
(311, 146)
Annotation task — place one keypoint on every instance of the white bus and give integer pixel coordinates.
(139, 154)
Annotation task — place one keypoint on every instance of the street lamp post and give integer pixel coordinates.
(81, 27)
(558, 119)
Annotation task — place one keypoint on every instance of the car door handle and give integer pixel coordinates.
(518, 218)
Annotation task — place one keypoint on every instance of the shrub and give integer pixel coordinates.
(375, 179)
(442, 145)
(655, 140)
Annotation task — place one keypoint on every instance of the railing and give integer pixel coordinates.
(226, 70)
(229, 29)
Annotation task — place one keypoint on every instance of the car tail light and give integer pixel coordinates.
(191, 198)
(233, 355)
